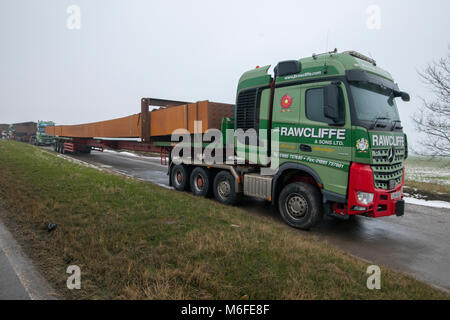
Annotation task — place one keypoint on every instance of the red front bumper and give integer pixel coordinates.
(383, 204)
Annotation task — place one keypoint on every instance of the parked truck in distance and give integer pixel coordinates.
(4, 128)
(329, 121)
(24, 131)
(42, 138)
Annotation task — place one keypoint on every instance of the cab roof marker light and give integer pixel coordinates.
(360, 56)
(314, 55)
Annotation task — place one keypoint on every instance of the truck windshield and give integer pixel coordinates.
(373, 103)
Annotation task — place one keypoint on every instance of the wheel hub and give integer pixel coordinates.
(200, 182)
(179, 177)
(296, 206)
(224, 189)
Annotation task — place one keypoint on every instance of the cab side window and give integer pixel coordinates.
(315, 104)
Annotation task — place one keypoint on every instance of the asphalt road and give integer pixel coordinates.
(417, 243)
(10, 285)
(19, 279)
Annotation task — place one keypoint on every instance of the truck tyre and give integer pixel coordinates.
(180, 178)
(300, 205)
(200, 182)
(224, 188)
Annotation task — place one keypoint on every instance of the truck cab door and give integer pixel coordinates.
(325, 144)
(322, 137)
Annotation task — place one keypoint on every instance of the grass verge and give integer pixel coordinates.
(134, 240)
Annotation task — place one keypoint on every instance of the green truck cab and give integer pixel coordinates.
(331, 124)
(339, 129)
(42, 138)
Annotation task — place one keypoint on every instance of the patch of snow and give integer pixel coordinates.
(130, 154)
(433, 203)
(430, 174)
(125, 153)
(164, 186)
(109, 151)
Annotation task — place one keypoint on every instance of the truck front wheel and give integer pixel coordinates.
(300, 205)
(224, 188)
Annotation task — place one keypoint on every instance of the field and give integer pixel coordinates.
(428, 178)
(134, 240)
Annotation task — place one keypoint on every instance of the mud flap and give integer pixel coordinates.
(400, 208)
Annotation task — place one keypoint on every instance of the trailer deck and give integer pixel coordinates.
(148, 131)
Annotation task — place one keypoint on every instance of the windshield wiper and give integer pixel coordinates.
(375, 123)
(394, 125)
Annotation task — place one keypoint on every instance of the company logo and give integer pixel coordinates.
(391, 154)
(286, 103)
(392, 184)
(316, 133)
(362, 145)
(388, 140)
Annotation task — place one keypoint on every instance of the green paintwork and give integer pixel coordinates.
(254, 78)
(331, 154)
(330, 157)
(41, 137)
(311, 68)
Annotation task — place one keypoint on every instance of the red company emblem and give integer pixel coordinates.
(286, 103)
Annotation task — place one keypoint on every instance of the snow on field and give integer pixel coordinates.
(423, 169)
(427, 174)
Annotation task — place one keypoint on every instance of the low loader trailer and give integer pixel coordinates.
(326, 126)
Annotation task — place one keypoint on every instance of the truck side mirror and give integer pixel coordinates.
(405, 96)
(331, 102)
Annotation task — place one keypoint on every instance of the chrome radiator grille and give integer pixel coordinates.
(387, 167)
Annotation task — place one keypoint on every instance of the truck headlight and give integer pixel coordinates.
(365, 197)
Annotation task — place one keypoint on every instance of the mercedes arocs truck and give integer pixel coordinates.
(329, 122)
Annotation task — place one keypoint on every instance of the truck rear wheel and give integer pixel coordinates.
(224, 188)
(300, 205)
(179, 176)
(200, 182)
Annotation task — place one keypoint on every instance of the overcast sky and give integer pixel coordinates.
(194, 50)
